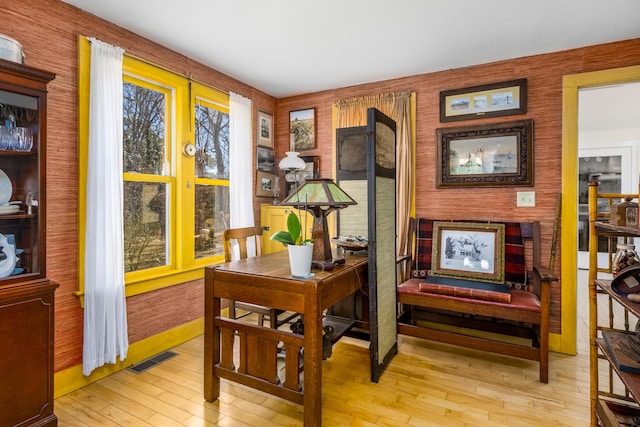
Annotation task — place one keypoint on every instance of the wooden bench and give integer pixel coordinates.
(526, 315)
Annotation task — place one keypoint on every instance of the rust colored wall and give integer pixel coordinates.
(48, 31)
(544, 74)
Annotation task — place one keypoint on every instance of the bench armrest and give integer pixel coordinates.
(545, 274)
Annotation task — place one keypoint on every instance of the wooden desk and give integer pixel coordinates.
(266, 280)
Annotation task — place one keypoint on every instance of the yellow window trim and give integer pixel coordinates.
(182, 94)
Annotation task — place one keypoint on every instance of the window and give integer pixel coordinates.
(175, 206)
(211, 173)
(147, 184)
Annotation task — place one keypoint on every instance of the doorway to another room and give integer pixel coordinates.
(609, 152)
(608, 141)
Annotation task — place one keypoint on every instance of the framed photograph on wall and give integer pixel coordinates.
(491, 100)
(468, 250)
(312, 167)
(302, 128)
(265, 129)
(311, 170)
(265, 184)
(490, 155)
(265, 159)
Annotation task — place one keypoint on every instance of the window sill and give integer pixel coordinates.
(153, 284)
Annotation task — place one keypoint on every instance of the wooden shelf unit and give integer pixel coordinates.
(614, 394)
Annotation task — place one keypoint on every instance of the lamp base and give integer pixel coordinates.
(327, 264)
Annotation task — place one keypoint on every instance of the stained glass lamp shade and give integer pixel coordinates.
(320, 197)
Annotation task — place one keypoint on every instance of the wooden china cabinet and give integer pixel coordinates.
(26, 295)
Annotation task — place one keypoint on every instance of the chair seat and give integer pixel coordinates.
(520, 299)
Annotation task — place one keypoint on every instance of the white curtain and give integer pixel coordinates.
(105, 314)
(240, 167)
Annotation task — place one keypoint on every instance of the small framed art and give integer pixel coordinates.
(265, 129)
(266, 159)
(265, 184)
(491, 100)
(468, 250)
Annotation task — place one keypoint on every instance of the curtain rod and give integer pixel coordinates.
(146, 61)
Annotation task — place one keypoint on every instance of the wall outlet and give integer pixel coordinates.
(526, 199)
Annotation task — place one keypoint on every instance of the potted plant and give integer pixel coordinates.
(300, 248)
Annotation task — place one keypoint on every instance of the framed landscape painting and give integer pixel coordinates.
(302, 127)
(265, 184)
(491, 155)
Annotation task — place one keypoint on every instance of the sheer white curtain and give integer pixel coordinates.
(105, 314)
(240, 166)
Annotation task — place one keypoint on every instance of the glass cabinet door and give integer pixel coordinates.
(22, 136)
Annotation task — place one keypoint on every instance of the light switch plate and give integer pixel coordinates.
(526, 199)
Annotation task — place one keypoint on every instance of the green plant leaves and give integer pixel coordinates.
(294, 227)
(283, 237)
(293, 235)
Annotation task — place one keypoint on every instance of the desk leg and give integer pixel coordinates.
(312, 399)
(211, 338)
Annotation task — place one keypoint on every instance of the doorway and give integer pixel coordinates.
(572, 287)
(608, 139)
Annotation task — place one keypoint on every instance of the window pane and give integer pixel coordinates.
(145, 225)
(211, 219)
(212, 143)
(144, 129)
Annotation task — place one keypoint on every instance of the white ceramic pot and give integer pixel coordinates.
(300, 259)
(10, 49)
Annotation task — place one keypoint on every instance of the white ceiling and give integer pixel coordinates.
(290, 47)
(610, 109)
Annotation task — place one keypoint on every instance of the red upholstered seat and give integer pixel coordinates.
(520, 299)
(525, 315)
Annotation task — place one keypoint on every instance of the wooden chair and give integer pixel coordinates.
(241, 235)
(525, 315)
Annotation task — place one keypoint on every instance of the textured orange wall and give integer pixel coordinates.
(48, 31)
(544, 74)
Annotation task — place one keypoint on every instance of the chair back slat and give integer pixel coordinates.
(241, 235)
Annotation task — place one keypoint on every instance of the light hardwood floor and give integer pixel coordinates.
(426, 384)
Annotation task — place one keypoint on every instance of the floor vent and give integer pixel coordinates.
(153, 361)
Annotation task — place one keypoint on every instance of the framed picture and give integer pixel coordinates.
(265, 184)
(302, 127)
(492, 155)
(492, 100)
(266, 159)
(265, 129)
(312, 170)
(312, 167)
(468, 250)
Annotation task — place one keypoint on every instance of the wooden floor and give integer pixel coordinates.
(426, 384)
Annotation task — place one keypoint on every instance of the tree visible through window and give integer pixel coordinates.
(167, 194)
(212, 178)
(144, 161)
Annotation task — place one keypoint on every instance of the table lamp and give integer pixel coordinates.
(320, 196)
